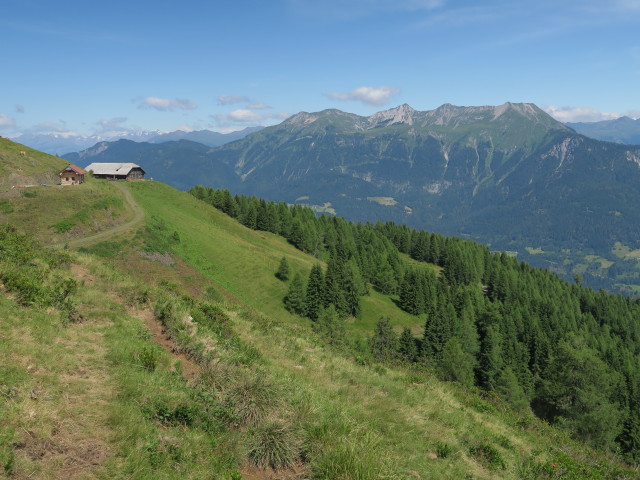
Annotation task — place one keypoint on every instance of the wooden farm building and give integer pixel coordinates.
(116, 171)
(72, 175)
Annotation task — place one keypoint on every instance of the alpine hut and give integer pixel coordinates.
(116, 171)
(72, 175)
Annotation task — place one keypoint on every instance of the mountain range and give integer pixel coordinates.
(509, 176)
(620, 130)
(58, 143)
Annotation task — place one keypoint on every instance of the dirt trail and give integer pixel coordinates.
(138, 216)
(190, 369)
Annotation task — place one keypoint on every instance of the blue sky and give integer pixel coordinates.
(84, 67)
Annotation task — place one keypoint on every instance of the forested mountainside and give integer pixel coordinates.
(567, 352)
(509, 176)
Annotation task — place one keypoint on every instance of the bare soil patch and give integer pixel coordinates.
(62, 457)
(190, 369)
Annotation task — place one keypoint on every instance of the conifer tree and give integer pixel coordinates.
(438, 330)
(283, 270)
(330, 326)
(294, 301)
(510, 390)
(384, 343)
(411, 300)
(408, 347)
(456, 365)
(490, 358)
(629, 439)
(314, 298)
(384, 278)
(250, 217)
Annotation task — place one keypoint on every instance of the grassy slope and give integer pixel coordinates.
(80, 400)
(33, 168)
(56, 214)
(244, 261)
(352, 415)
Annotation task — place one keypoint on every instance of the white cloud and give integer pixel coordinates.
(232, 99)
(579, 114)
(167, 104)
(6, 122)
(374, 96)
(243, 117)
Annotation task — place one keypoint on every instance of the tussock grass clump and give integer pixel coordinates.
(252, 398)
(217, 376)
(274, 444)
(354, 457)
(488, 456)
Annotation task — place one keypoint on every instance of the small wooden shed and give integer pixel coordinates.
(72, 175)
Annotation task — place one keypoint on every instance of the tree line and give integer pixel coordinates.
(568, 353)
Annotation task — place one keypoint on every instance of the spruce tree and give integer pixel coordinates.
(408, 347)
(384, 343)
(456, 365)
(294, 300)
(511, 391)
(250, 217)
(330, 326)
(629, 439)
(315, 290)
(283, 270)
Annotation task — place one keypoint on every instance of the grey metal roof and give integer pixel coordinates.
(111, 168)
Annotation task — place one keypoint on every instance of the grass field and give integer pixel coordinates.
(57, 214)
(32, 168)
(236, 257)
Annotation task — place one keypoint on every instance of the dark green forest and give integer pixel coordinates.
(567, 353)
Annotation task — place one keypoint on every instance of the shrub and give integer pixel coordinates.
(147, 358)
(28, 290)
(488, 456)
(274, 444)
(63, 225)
(443, 450)
(283, 270)
(184, 414)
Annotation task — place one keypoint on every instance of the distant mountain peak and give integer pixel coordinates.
(527, 109)
(402, 114)
(301, 118)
